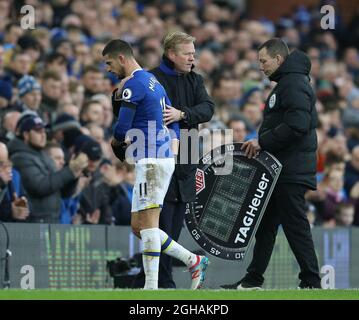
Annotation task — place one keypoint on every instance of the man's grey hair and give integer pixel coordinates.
(173, 39)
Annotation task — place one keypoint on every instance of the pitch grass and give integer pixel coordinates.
(13, 294)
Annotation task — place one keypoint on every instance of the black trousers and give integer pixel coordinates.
(171, 222)
(286, 207)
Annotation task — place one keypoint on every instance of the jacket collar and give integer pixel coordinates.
(168, 67)
(296, 62)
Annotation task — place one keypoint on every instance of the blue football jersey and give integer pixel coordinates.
(143, 101)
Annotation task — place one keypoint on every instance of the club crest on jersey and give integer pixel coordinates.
(126, 94)
(272, 101)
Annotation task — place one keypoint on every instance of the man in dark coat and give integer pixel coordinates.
(43, 184)
(192, 106)
(13, 202)
(287, 132)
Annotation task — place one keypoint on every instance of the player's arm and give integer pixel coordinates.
(116, 97)
(124, 123)
(131, 96)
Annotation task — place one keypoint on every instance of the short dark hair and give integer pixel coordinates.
(117, 46)
(55, 56)
(17, 51)
(91, 68)
(275, 46)
(10, 25)
(51, 74)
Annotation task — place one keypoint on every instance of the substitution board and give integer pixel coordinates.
(232, 193)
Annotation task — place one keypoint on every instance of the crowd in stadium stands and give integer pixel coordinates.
(55, 99)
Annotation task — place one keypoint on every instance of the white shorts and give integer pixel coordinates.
(153, 177)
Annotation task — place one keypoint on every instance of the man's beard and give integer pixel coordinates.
(36, 147)
(121, 74)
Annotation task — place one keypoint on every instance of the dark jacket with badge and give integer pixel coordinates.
(187, 93)
(289, 121)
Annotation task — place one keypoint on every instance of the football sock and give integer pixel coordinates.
(174, 249)
(151, 256)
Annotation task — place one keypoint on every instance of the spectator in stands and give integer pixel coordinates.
(333, 161)
(92, 80)
(344, 215)
(2, 51)
(13, 202)
(63, 123)
(94, 202)
(92, 111)
(334, 196)
(69, 205)
(71, 109)
(42, 182)
(351, 59)
(82, 55)
(226, 92)
(8, 123)
(352, 171)
(98, 133)
(29, 92)
(32, 47)
(207, 63)
(239, 128)
(56, 62)
(12, 33)
(254, 114)
(5, 96)
(116, 187)
(51, 96)
(76, 90)
(107, 113)
(20, 65)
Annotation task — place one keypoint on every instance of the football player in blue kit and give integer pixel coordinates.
(139, 132)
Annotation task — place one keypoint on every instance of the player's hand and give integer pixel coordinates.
(171, 115)
(119, 149)
(251, 148)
